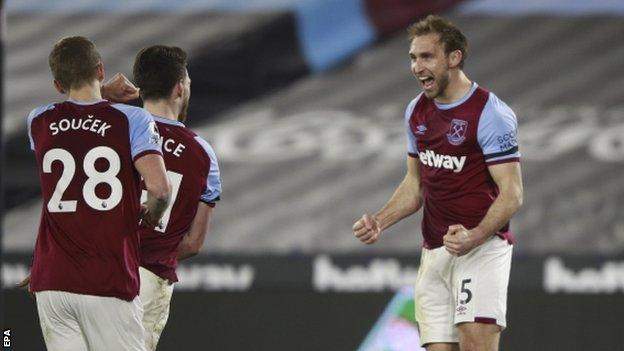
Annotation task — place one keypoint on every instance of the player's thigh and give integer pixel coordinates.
(480, 280)
(60, 328)
(147, 288)
(433, 299)
(478, 336)
(155, 295)
(109, 323)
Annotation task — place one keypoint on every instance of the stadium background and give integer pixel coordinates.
(303, 100)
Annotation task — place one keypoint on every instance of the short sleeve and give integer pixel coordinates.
(212, 192)
(31, 116)
(411, 138)
(144, 136)
(498, 132)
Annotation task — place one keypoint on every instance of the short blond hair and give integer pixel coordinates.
(73, 62)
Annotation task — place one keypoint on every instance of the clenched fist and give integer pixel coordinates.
(367, 229)
(119, 89)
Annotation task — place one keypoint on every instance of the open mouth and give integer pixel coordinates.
(427, 82)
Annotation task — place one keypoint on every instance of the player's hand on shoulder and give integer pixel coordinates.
(459, 240)
(367, 229)
(119, 89)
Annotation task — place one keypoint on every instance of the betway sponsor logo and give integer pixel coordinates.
(215, 277)
(560, 279)
(378, 275)
(430, 158)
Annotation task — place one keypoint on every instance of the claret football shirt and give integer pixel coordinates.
(194, 174)
(88, 240)
(455, 143)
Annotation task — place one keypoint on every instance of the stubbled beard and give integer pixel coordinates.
(442, 84)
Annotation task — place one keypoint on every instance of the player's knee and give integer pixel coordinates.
(471, 344)
(475, 343)
(472, 338)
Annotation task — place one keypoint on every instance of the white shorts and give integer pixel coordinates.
(452, 290)
(76, 322)
(155, 294)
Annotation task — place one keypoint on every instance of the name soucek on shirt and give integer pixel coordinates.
(194, 173)
(455, 143)
(88, 241)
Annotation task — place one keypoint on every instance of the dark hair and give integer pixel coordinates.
(449, 34)
(157, 69)
(73, 62)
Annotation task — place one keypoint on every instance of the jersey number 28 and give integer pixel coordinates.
(94, 177)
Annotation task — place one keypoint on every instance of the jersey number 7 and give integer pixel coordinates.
(175, 179)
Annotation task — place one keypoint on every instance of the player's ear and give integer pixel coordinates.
(58, 87)
(99, 71)
(178, 90)
(455, 58)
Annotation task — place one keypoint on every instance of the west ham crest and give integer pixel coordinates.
(457, 133)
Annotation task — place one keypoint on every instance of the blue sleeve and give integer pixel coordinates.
(32, 115)
(144, 136)
(411, 138)
(212, 193)
(498, 132)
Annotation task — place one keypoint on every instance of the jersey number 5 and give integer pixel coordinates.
(95, 177)
(465, 290)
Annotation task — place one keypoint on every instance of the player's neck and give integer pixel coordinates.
(162, 108)
(86, 93)
(458, 87)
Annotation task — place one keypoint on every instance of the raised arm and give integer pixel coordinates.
(406, 200)
(119, 89)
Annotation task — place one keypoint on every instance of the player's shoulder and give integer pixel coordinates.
(411, 106)
(132, 112)
(496, 117)
(205, 145)
(172, 128)
(176, 125)
(497, 106)
(137, 117)
(40, 110)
